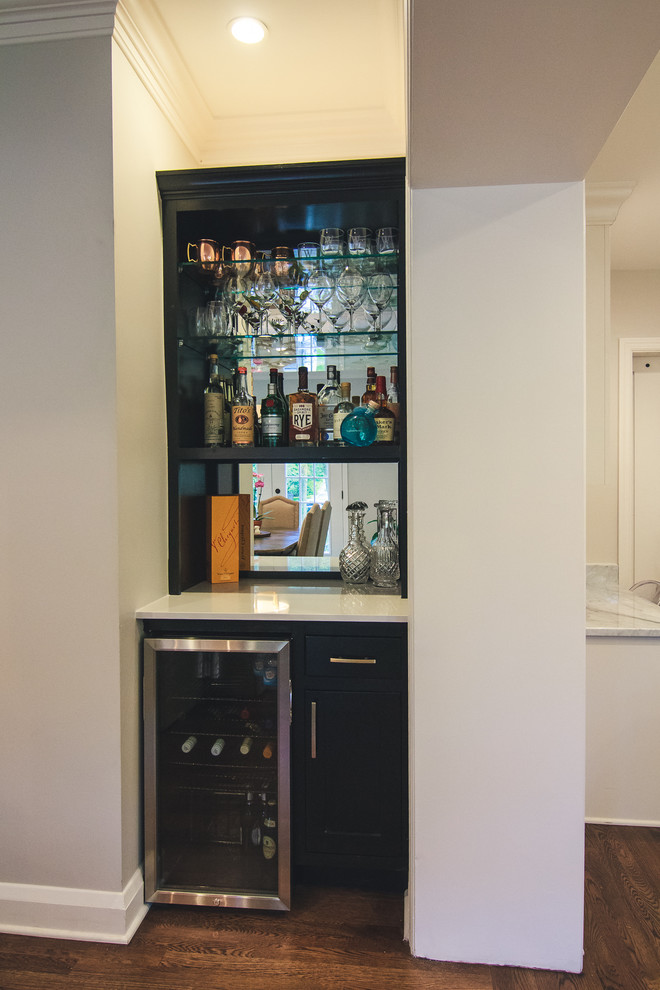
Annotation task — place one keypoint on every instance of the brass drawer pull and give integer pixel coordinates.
(352, 660)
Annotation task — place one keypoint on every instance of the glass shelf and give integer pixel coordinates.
(366, 264)
(289, 349)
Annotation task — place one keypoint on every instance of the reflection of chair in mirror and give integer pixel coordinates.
(280, 512)
(326, 510)
(309, 533)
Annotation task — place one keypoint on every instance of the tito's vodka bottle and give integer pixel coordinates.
(242, 414)
(303, 414)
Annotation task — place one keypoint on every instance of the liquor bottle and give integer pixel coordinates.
(272, 419)
(214, 407)
(359, 428)
(371, 387)
(228, 389)
(285, 403)
(242, 414)
(189, 744)
(267, 751)
(393, 398)
(328, 398)
(341, 411)
(303, 414)
(385, 419)
(246, 745)
(217, 747)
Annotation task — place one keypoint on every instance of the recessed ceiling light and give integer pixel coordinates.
(248, 30)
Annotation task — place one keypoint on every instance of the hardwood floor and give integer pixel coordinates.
(351, 940)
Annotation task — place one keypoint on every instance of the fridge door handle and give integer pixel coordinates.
(290, 702)
(313, 733)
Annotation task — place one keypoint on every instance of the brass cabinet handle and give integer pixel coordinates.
(352, 660)
(313, 746)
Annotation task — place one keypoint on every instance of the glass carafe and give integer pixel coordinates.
(384, 565)
(355, 558)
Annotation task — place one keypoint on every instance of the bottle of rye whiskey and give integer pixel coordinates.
(303, 414)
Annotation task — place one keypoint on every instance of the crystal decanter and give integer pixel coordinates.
(355, 558)
(384, 566)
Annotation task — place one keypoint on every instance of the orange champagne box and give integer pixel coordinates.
(230, 533)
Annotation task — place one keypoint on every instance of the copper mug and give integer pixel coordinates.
(283, 261)
(243, 254)
(209, 254)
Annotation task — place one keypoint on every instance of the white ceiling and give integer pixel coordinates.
(329, 75)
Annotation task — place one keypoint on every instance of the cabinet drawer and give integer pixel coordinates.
(354, 656)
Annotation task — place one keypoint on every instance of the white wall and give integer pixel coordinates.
(623, 730)
(83, 461)
(635, 299)
(496, 374)
(143, 143)
(59, 705)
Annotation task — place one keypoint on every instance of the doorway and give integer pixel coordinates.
(639, 460)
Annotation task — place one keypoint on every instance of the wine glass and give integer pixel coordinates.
(359, 241)
(218, 319)
(333, 246)
(387, 246)
(336, 312)
(377, 340)
(292, 297)
(265, 291)
(380, 287)
(200, 323)
(309, 254)
(320, 290)
(246, 319)
(351, 289)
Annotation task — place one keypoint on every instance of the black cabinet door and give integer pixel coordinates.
(354, 776)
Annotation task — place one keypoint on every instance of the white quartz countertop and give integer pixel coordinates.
(614, 611)
(268, 600)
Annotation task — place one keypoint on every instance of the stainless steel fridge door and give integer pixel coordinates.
(217, 715)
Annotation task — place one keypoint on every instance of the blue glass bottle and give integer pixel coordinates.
(359, 427)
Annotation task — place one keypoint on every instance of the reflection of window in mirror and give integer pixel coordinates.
(340, 484)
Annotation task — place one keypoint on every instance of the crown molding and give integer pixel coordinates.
(143, 39)
(51, 20)
(603, 200)
(328, 136)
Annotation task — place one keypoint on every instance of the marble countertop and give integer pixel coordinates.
(614, 611)
(611, 610)
(267, 600)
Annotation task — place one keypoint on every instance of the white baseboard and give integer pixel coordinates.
(68, 912)
(622, 821)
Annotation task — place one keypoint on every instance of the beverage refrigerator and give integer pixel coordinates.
(217, 715)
